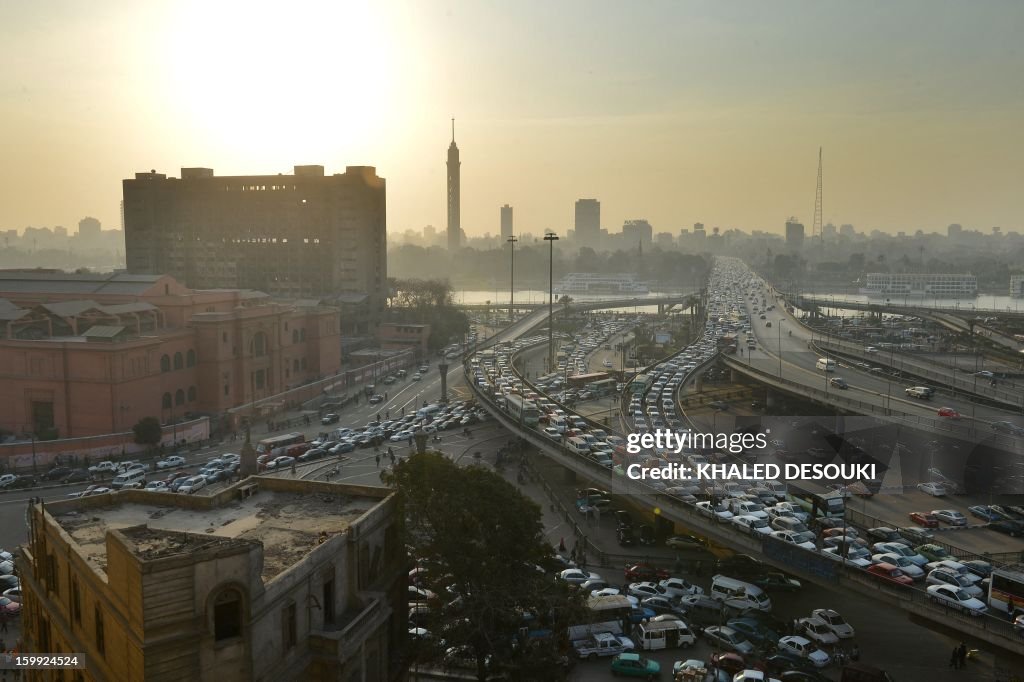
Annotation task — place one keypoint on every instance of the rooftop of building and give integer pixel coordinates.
(48, 281)
(287, 522)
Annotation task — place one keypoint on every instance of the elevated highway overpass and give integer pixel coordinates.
(685, 300)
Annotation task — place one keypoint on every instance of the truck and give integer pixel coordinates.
(602, 644)
(726, 343)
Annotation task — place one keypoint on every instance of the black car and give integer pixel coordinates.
(626, 537)
(1011, 528)
(27, 481)
(884, 534)
(57, 473)
(740, 565)
(777, 582)
(309, 455)
(77, 476)
(330, 418)
(647, 535)
(783, 661)
(623, 519)
(839, 382)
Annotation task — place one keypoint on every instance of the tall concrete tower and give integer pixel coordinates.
(454, 173)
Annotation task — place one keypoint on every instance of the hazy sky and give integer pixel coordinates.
(672, 111)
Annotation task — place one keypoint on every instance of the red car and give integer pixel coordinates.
(729, 662)
(645, 573)
(924, 519)
(949, 413)
(9, 606)
(893, 575)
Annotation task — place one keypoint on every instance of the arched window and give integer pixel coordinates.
(227, 615)
(167, 399)
(302, 334)
(179, 361)
(259, 344)
(295, 336)
(191, 393)
(179, 397)
(165, 363)
(190, 358)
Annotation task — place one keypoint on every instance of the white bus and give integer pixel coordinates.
(1007, 584)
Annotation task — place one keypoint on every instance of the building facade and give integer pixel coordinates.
(291, 236)
(298, 580)
(794, 234)
(1017, 286)
(637, 233)
(920, 284)
(507, 227)
(454, 194)
(588, 221)
(399, 336)
(83, 355)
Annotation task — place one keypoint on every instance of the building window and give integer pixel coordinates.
(191, 393)
(259, 344)
(190, 358)
(295, 336)
(179, 397)
(76, 602)
(224, 337)
(178, 361)
(227, 615)
(295, 365)
(291, 635)
(100, 643)
(165, 363)
(227, 391)
(167, 401)
(303, 364)
(52, 581)
(259, 378)
(302, 334)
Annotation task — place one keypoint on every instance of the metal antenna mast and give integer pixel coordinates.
(816, 228)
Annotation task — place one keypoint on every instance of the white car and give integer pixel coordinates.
(718, 513)
(950, 516)
(854, 556)
(941, 576)
(578, 576)
(103, 467)
(157, 486)
(804, 648)
(933, 489)
(752, 525)
(793, 539)
(552, 433)
(818, 631)
(679, 587)
(172, 462)
(906, 565)
(192, 485)
(956, 598)
(644, 590)
(835, 622)
(902, 549)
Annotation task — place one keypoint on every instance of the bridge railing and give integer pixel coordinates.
(938, 424)
(938, 374)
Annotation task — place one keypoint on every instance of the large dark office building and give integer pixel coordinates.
(307, 235)
(588, 221)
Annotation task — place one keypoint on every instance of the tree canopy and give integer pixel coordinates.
(147, 431)
(479, 543)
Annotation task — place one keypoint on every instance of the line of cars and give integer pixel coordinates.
(133, 475)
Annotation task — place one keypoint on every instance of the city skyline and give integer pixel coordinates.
(716, 118)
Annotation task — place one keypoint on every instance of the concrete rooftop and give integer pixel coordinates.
(287, 524)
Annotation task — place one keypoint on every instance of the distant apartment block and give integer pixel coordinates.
(637, 233)
(268, 579)
(1017, 286)
(295, 236)
(921, 284)
(507, 228)
(794, 234)
(588, 221)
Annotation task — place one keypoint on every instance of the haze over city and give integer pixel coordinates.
(673, 112)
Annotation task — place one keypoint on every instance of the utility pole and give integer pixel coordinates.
(551, 238)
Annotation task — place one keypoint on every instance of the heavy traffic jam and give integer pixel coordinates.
(799, 523)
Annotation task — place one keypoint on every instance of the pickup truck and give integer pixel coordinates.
(602, 644)
(922, 392)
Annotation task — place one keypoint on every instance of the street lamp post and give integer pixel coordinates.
(780, 347)
(551, 238)
(512, 280)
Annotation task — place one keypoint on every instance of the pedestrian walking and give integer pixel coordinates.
(561, 544)
(385, 395)
(387, 414)
(855, 653)
(1011, 607)
(961, 655)
(410, 441)
(377, 457)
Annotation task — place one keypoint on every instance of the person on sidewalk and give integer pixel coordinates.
(561, 544)
(377, 457)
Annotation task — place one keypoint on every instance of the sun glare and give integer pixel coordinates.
(301, 81)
